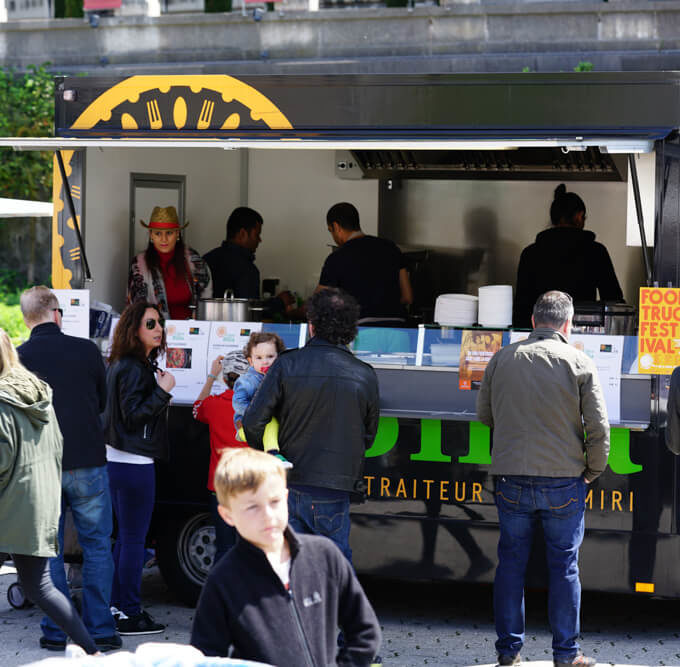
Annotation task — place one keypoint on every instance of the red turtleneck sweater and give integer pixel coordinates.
(177, 288)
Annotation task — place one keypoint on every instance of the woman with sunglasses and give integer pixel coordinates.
(135, 423)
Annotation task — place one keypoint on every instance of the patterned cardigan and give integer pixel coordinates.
(145, 285)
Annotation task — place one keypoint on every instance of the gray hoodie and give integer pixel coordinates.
(30, 466)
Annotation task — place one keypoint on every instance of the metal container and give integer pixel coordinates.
(228, 309)
(619, 319)
(616, 319)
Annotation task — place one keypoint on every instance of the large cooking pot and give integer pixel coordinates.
(229, 309)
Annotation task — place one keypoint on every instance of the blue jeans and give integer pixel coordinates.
(86, 492)
(559, 504)
(133, 492)
(319, 514)
(225, 535)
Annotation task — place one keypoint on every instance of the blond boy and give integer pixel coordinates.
(278, 597)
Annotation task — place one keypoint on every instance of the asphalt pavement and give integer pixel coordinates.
(423, 624)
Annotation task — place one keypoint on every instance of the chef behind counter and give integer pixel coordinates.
(565, 258)
(369, 268)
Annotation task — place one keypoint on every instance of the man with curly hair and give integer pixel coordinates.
(326, 401)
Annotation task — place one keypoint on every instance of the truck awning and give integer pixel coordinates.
(22, 208)
(606, 144)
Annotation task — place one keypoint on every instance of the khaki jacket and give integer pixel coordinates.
(543, 400)
(30, 466)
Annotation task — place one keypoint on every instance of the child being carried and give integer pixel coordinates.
(261, 352)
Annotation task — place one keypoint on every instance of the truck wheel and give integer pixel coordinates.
(186, 552)
(16, 596)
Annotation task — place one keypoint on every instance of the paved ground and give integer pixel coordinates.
(423, 624)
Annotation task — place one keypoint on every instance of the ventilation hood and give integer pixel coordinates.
(535, 164)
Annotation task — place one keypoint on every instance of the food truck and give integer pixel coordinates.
(459, 171)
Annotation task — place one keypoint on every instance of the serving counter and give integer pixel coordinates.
(418, 369)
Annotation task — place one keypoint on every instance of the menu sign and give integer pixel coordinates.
(476, 349)
(226, 337)
(186, 357)
(659, 330)
(76, 306)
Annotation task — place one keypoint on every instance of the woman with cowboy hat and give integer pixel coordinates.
(167, 273)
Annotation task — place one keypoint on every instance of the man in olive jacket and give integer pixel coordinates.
(543, 400)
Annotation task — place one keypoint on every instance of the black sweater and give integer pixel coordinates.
(73, 367)
(245, 611)
(566, 259)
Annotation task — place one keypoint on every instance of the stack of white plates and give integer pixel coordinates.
(456, 310)
(495, 306)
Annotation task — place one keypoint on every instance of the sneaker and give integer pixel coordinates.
(117, 613)
(579, 659)
(377, 661)
(53, 644)
(284, 461)
(139, 624)
(105, 644)
(509, 659)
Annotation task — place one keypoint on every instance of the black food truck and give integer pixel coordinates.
(459, 171)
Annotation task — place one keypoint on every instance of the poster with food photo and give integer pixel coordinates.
(186, 357)
(476, 349)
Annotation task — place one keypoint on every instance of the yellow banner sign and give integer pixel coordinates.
(659, 330)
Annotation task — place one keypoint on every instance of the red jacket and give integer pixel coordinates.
(217, 412)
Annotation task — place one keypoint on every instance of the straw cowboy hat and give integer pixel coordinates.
(163, 218)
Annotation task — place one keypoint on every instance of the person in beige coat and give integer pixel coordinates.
(30, 488)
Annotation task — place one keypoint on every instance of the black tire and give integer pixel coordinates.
(17, 598)
(185, 550)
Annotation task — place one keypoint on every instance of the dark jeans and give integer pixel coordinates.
(86, 492)
(133, 489)
(559, 504)
(225, 535)
(34, 577)
(317, 514)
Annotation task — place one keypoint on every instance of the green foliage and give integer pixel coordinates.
(73, 9)
(217, 6)
(26, 110)
(13, 323)
(584, 66)
(11, 287)
(526, 68)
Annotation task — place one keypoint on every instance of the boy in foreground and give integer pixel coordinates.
(278, 597)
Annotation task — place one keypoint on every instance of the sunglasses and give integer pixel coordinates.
(151, 323)
(60, 311)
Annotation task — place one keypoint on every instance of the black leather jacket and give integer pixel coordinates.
(136, 415)
(326, 401)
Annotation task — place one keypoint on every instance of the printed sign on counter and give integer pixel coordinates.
(76, 306)
(606, 353)
(659, 330)
(226, 337)
(476, 350)
(186, 357)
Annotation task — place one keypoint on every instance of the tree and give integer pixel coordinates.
(26, 110)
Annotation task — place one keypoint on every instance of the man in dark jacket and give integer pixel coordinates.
(326, 402)
(543, 400)
(73, 367)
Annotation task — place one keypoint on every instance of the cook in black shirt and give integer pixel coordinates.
(371, 269)
(565, 257)
(232, 265)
